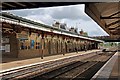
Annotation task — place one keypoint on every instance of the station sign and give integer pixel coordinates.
(22, 36)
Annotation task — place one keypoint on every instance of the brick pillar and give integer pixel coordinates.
(42, 54)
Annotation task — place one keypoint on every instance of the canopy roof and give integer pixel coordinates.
(107, 15)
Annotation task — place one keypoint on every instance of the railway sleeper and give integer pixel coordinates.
(88, 73)
(75, 72)
(59, 71)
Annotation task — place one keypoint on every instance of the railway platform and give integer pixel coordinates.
(29, 62)
(110, 71)
(115, 73)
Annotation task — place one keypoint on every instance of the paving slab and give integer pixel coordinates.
(105, 72)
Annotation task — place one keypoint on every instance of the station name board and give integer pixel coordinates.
(22, 36)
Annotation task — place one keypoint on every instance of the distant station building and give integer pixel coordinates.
(23, 38)
(59, 25)
(83, 33)
(56, 24)
(74, 30)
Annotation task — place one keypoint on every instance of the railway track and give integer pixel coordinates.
(60, 71)
(76, 71)
(55, 69)
(84, 69)
(27, 71)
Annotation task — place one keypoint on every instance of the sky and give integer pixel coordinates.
(73, 15)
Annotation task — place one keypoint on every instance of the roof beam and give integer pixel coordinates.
(114, 14)
(111, 28)
(111, 16)
(113, 23)
(118, 27)
(115, 32)
(114, 28)
(18, 3)
(8, 4)
(108, 17)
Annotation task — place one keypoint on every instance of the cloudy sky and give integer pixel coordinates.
(73, 15)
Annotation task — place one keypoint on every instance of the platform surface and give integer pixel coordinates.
(115, 73)
(21, 63)
(111, 69)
